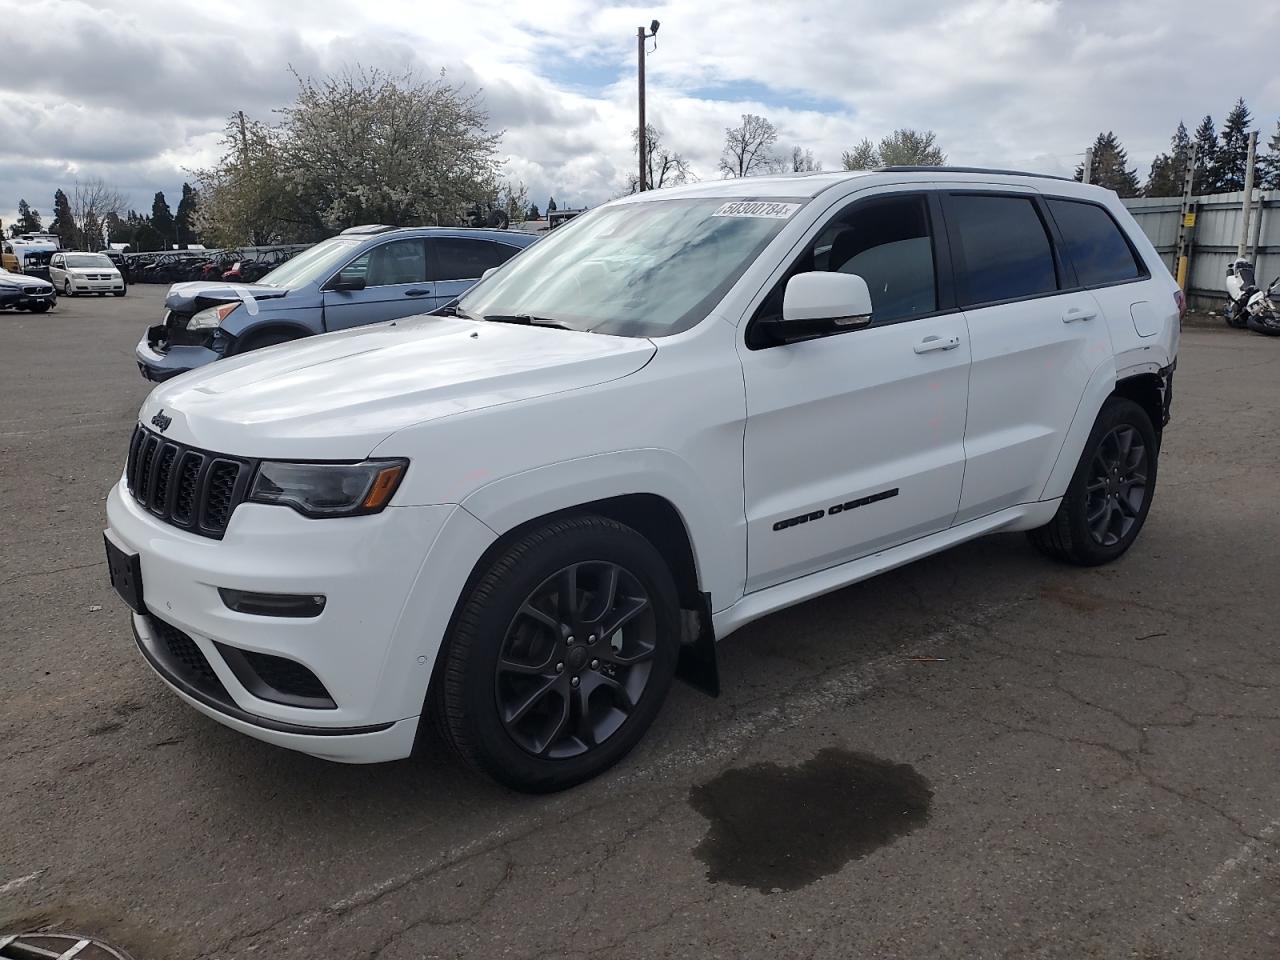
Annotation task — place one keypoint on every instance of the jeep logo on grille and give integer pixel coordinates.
(161, 421)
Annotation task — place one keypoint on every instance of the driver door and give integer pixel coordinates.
(855, 440)
(395, 286)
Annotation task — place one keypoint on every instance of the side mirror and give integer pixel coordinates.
(819, 303)
(347, 282)
(488, 273)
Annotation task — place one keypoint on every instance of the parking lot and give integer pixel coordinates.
(983, 754)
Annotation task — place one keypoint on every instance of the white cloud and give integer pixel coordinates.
(138, 93)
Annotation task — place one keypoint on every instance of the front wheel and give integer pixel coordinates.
(66, 289)
(119, 293)
(1110, 493)
(560, 656)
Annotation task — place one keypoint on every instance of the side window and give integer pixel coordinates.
(1097, 248)
(1003, 246)
(463, 258)
(888, 243)
(400, 261)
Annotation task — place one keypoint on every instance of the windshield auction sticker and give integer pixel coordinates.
(768, 209)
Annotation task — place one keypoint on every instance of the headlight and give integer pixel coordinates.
(212, 317)
(328, 489)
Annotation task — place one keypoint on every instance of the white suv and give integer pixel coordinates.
(681, 412)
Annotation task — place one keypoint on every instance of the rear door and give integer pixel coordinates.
(1036, 340)
(396, 285)
(459, 262)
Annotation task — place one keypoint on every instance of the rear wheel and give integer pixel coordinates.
(1110, 493)
(561, 655)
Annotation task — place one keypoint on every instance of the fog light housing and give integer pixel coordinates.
(301, 605)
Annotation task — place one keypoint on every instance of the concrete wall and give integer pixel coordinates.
(1214, 240)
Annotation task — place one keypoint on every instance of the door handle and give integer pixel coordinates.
(416, 292)
(1078, 313)
(937, 343)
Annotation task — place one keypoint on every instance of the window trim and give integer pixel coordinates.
(1144, 271)
(943, 279)
(327, 286)
(1064, 271)
(433, 260)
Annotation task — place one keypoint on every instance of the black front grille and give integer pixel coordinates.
(189, 488)
(183, 657)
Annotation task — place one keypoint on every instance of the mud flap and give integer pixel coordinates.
(698, 665)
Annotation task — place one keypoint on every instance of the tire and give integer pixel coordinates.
(119, 293)
(268, 338)
(66, 289)
(507, 620)
(1073, 535)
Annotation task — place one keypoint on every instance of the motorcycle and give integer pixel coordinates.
(1247, 306)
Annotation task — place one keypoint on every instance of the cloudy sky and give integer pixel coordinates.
(137, 92)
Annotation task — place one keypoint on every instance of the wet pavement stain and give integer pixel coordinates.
(776, 828)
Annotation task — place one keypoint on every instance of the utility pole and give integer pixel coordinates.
(1243, 246)
(1088, 166)
(1186, 222)
(642, 134)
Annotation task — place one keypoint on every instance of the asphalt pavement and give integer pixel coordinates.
(982, 755)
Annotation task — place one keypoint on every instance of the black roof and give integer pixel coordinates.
(946, 169)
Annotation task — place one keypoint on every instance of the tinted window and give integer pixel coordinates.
(888, 244)
(459, 258)
(1004, 248)
(1094, 243)
(400, 261)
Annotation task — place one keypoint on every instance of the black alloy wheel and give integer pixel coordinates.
(576, 659)
(1117, 488)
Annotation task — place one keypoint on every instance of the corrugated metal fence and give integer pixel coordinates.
(1214, 239)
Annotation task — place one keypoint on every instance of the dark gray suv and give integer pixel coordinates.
(363, 275)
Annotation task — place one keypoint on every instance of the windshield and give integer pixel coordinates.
(646, 269)
(311, 264)
(96, 260)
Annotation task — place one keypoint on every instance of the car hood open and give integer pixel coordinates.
(337, 396)
(198, 294)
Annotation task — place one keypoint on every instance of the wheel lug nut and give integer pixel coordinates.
(591, 639)
(595, 664)
(559, 668)
(570, 640)
(574, 682)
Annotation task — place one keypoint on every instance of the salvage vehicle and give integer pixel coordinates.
(21, 292)
(364, 275)
(75, 273)
(518, 520)
(29, 254)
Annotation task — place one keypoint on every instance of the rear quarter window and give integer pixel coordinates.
(1095, 244)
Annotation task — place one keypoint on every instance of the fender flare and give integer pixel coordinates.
(507, 503)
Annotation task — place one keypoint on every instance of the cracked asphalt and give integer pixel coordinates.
(1101, 746)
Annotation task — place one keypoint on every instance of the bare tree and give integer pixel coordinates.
(748, 147)
(802, 161)
(92, 201)
(861, 157)
(665, 167)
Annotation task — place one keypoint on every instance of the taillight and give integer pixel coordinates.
(1180, 299)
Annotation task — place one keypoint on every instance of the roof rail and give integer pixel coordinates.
(369, 228)
(947, 169)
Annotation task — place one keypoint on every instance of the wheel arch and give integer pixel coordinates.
(268, 327)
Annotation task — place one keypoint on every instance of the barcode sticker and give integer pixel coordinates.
(768, 209)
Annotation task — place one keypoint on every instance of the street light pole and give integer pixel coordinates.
(642, 134)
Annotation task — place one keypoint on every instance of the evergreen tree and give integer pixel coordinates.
(1228, 166)
(533, 212)
(185, 219)
(1269, 163)
(162, 219)
(1168, 169)
(551, 205)
(1206, 141)
(64, 222)
(1111, 167)
(28, 220)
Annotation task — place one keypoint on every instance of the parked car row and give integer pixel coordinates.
(516, 520)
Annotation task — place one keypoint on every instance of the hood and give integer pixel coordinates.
(339, 395)
(22, 280)
(198, 294)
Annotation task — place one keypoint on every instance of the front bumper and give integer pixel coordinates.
(373, 647)
(95, 286)
(157, 366)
